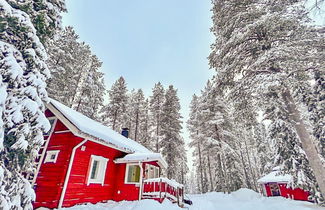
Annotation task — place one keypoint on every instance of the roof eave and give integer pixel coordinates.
(77, 132)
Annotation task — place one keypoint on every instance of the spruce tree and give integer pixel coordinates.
(25, 26)
(172, 145)
(156, 104)
(114, 113)
(267, 45)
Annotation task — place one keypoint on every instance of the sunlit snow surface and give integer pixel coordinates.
(242, 199)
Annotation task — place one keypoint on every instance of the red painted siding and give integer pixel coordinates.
(51, 176)
(124, 191)
(78, 188)
(296, 194)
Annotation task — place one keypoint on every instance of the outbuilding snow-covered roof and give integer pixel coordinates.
(88, 127)
(143, 157)
(275, 176)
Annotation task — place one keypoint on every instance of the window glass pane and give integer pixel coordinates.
(133, 173)
(156, 172)
(94, 170)
(152, 172)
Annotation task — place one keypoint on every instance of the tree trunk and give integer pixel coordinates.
(114, 120)
(306, 140)
(157, 135)
(210, 173)
(136, 126)
(250, 165)
(200, 161)
(221, 174)
(245, 170)
(79, 85)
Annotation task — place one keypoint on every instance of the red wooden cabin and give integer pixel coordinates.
(275, 184)
(83, 161)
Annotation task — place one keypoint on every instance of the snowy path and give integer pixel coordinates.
(243, 199)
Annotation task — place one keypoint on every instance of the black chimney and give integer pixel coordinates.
(125, 132)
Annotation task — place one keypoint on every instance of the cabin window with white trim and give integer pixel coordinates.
(151, 171)
(133, 172)
(51, 156)
(97, 170)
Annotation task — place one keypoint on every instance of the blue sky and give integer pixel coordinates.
(147, 41)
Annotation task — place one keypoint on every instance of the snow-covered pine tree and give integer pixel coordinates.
(144, 133)
(89, 98)
(270, 46)
(72, 65)
(136, 113)
(316, 105)
(114, 113)
(288, 154)
(24, 27)
(172, 145)
(193, 126)
(156, 104)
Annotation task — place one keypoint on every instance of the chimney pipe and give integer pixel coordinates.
(125, 132)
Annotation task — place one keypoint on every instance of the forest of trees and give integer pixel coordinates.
(77, 82)
(265, 105)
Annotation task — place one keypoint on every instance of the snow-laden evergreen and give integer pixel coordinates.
(155, 107)
(114, 113)
(172, 144)
(264, 54)
(24, 27)
(76, 80)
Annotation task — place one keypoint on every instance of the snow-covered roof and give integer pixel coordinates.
(88, 128)
(275, 176)
(143, 157)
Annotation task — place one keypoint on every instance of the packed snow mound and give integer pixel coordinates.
(245, 194)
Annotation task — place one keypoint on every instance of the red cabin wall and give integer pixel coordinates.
(51, 176)
(125, 191)
(77, 190)
(50, 179)
(296, 194)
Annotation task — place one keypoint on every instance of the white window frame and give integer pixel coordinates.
(127, 173)
(49, 154)
(101, 173)
(155, 169)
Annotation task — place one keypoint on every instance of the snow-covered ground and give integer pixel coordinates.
(242, 199)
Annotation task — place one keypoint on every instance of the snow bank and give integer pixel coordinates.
(129, 205)
(244, 194)
(98, 130)
(242, 199)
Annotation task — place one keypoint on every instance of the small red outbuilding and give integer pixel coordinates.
(275, 184)
(83, 161)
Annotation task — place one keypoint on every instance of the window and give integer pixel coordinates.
(97, 170)
(275, 191)
(51, 156)
(132, 174)
(151, 171)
